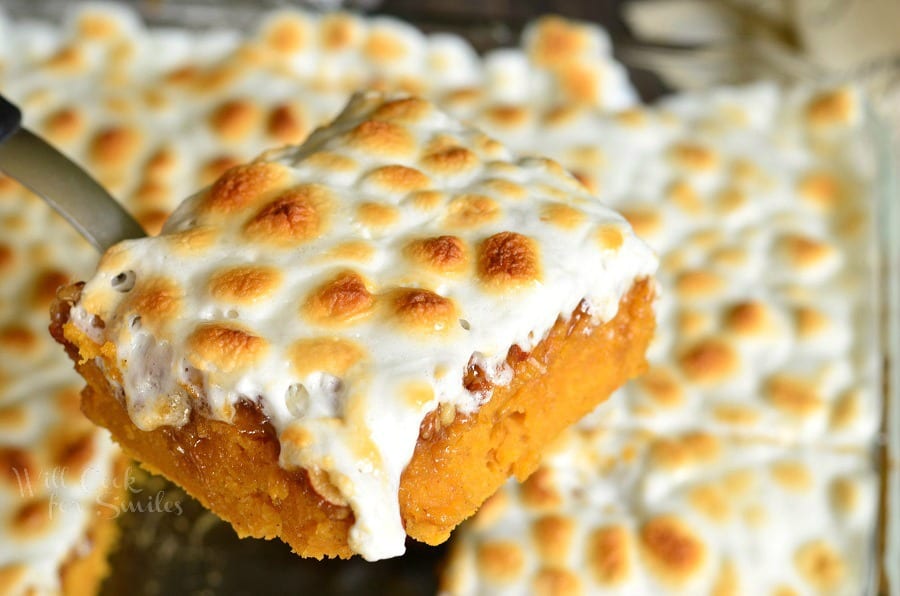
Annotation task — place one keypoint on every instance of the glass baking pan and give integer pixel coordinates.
(196, 553)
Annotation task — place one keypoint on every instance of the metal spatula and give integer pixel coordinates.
(62, 184)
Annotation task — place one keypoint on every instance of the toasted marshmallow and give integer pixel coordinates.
(626, 512)
(55, 467)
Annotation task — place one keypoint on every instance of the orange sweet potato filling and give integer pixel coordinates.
(233, 468)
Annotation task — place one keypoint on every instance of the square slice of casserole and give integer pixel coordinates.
(358, 339)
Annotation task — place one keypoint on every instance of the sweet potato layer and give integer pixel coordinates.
(233, 468)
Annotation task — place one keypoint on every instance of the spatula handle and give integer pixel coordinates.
(10, 119)
(62, 183)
